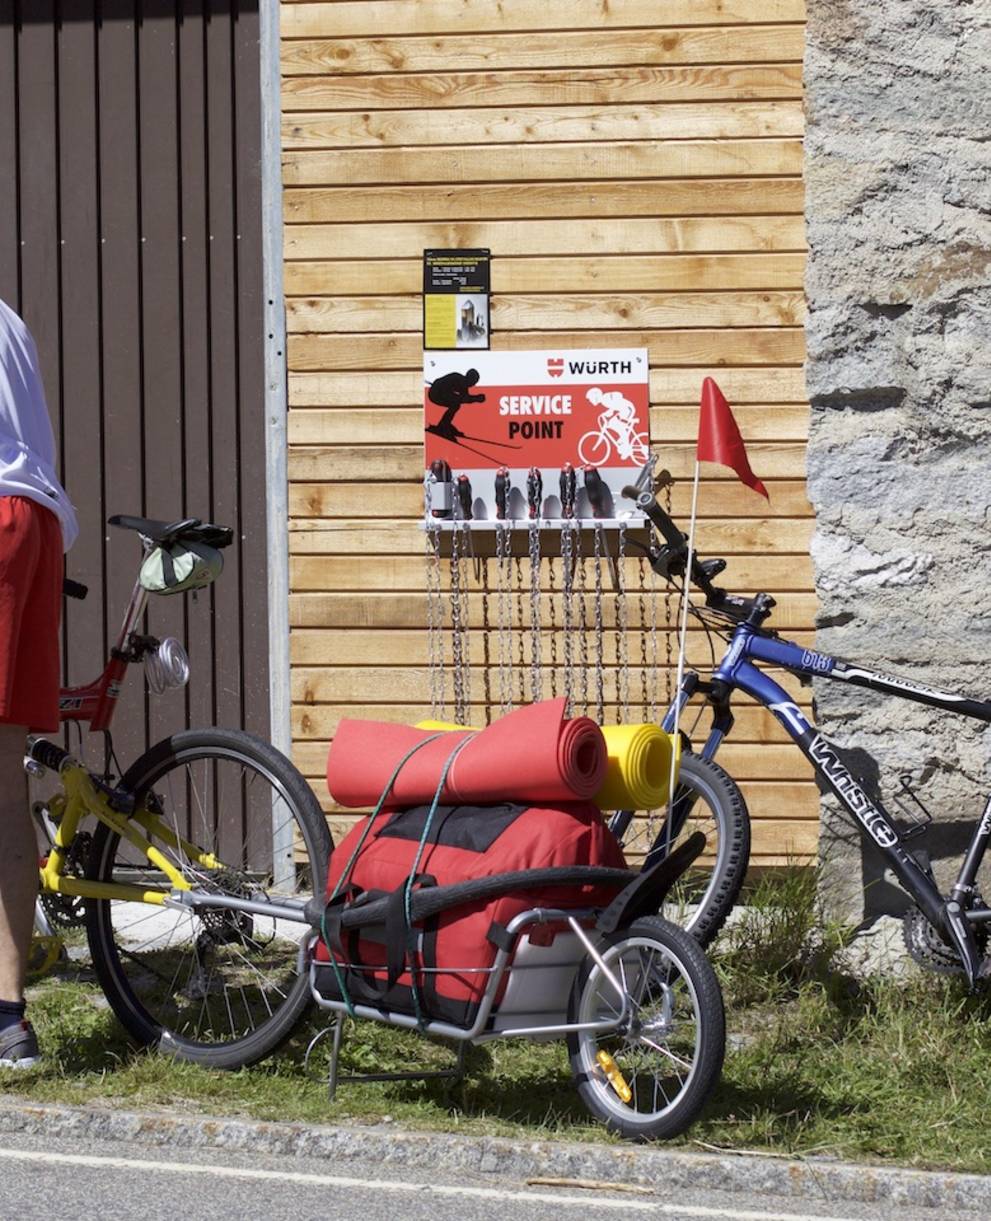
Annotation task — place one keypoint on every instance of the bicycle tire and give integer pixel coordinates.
(218, 954)
(677, 1021)
(594, 449)
(702, 899)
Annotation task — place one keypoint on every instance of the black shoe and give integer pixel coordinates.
(19, 1046)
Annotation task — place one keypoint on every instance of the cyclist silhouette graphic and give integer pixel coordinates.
(616, 430)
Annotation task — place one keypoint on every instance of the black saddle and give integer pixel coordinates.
(189, 529)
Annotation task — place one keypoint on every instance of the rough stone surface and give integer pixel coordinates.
(818, 1180)
(898, 168)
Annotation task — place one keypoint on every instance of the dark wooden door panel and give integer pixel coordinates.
(130, 136)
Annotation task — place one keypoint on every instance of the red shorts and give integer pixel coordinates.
(31, 570)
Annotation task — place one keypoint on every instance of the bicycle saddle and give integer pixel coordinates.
(189, 529)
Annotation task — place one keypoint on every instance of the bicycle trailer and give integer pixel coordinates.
(482, 919)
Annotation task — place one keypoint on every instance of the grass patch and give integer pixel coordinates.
(817, 1063)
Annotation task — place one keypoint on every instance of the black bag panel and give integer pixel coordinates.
(471, 828)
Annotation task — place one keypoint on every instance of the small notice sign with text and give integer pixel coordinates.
(456, 286)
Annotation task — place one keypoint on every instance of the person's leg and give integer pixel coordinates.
(18, 865)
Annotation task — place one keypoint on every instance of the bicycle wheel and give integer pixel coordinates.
(640, 448)
(216, 986)
(650, 1078)
(593, 449)
(706, 800)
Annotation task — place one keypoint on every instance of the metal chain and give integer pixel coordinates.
(536, 678)
(465, 617)
(600, 638)
(581, 694)
(622, 624)
(482, 570)
(435, 614)
(504, 616)
(642, 622)
(567, 613)
(457, 659)
(520, 628)
(552, 625)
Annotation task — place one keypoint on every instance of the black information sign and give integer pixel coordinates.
(456, 289)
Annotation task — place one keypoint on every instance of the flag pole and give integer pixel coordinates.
(682, 646)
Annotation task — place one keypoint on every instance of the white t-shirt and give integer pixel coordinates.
(27, 446)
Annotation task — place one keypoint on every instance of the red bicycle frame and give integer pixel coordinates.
(96, 702)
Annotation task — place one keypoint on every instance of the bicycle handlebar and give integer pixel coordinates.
(47, 753)
(751, 610)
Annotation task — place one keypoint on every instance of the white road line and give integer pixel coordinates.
(336, 1180)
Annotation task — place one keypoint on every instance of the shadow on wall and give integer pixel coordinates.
(943, 841)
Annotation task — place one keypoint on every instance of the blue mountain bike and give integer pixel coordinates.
(946, 933)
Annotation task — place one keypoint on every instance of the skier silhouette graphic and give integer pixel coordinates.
(452, 392)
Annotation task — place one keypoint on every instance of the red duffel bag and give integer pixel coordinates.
(450, 951)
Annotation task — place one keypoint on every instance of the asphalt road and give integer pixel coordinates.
(45, 1179)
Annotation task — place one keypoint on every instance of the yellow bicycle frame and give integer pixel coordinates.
(82, 797)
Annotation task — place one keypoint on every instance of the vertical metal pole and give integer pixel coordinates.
(683, 640)
(276, 407)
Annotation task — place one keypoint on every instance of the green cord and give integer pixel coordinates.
(346, 873)
(408, 897)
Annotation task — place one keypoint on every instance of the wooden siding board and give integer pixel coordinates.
(451, 68)
(539, 162)
(161, 314)
(120, 314)
(82, 430)
(223, 356)
(37, 117)
(9, 247)
(499, 125)
(194, 255)
(537, 237)
(252, 510)
(496, 201)
(368, 18)
(567, 272)
(451, 87)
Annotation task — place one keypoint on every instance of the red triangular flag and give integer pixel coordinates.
(719, 437)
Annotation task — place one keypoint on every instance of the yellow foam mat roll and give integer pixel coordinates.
(639, 765)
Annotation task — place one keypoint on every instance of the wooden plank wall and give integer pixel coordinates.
(636, 170)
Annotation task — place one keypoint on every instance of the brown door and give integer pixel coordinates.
(131, 244)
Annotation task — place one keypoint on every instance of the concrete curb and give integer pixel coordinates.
(662, 1169)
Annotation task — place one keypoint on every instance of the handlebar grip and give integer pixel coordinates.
(48, 754)
(647, 503)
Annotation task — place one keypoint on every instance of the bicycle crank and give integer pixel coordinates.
(927, 947)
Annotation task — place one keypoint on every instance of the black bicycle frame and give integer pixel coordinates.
(737, 672)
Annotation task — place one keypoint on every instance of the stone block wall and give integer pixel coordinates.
(898, 166)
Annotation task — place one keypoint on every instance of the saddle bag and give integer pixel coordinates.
(449, 955)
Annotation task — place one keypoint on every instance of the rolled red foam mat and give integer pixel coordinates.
(533, 755)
